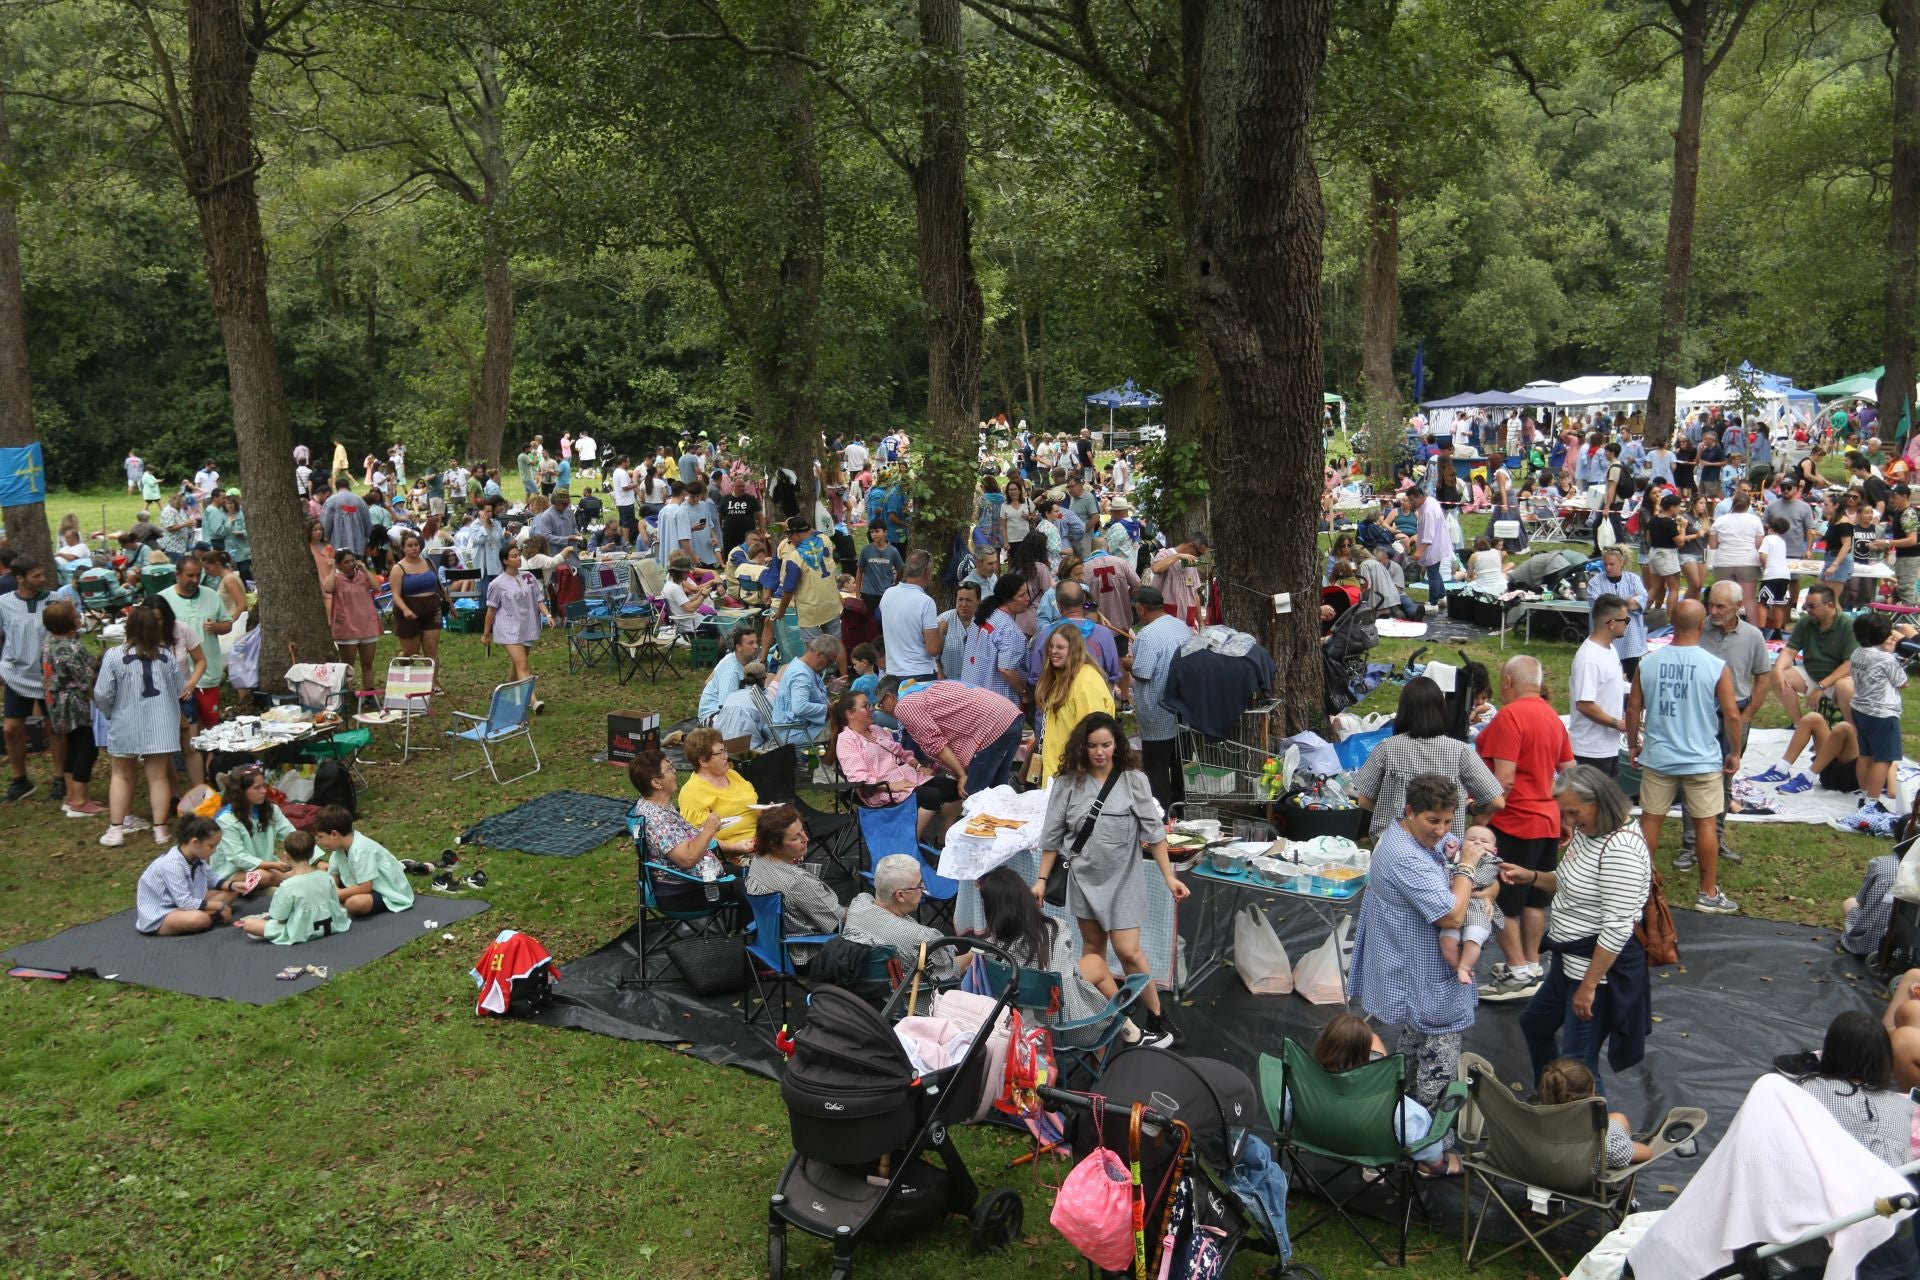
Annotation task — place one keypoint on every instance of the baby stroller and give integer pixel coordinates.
(1344, 656)
(864, 1121)
(1199, 1115)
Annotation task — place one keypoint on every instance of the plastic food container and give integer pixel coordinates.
(1228, 861)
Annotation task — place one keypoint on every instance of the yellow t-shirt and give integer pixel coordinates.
(1088, 693)
(817, 599)
(699, 797)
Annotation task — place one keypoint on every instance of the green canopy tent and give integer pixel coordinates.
(1858, 384)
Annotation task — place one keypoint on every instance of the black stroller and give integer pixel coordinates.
(1344, 656)
(864, 1121)
(1199, 1112)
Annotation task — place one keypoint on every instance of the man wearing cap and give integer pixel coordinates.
(808, 584)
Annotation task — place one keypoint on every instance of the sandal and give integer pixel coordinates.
(1449, 1167)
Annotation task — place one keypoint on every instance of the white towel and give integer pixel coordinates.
(1784, 1167)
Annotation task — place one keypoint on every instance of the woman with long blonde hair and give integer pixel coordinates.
(1072, 687)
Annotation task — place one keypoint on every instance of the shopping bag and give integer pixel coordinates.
(1318, 976)
(1094, 1207)
(1259, 955)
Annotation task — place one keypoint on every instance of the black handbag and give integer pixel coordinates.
(713, 964)
(1057, 886)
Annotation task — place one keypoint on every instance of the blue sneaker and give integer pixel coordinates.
(1802, 782)
(1774, 773)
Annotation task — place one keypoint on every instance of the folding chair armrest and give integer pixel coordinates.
(1453, 1100)
(692, 877)
(462, 715)
(810, 938)
(1676, 1129)
(1116, 1008)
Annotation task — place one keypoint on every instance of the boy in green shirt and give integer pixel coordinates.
(372, 881)
(304, 907)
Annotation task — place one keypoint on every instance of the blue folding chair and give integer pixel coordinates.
(589, 638)
(770, 953)
(509, 716)
(1079, 1057)
(670, 923)
(891, 830)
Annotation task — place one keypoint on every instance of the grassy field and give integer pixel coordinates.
(376, 1128)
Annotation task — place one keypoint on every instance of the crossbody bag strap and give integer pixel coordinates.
(1093, 815)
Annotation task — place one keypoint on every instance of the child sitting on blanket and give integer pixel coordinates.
(1461, 947)
(304, 907)
(175, 894)
(371, 880)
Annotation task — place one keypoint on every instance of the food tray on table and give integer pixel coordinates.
(1307, 873)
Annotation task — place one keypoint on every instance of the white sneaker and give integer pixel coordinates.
(162, 837)
(114, 837)
(135, 824)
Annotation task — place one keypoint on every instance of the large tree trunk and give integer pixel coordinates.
(220, 162)
(1253, 276)
(791, 336)
(1380, 326)
(949, 289)
(1903, 224)
(1672, 337)
(487, 423)
(26, 523)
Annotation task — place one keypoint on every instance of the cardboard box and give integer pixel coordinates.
(631, 732)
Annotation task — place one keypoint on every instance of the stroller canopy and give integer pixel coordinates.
(846, 1060)
(1211, 1096)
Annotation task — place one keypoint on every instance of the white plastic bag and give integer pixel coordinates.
(1258, 954)
(1906, 880)
(296, 784)
(1318, 976)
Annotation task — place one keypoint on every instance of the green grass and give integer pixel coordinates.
(375, 1127)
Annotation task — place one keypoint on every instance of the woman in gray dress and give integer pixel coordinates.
(1107, 894)
(138, 690)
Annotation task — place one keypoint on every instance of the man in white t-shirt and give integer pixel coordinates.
(587, 450)
(1598, 689)
(857, 456)
(622, 489)
(1122, 476)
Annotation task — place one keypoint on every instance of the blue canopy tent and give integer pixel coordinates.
(1124, 396)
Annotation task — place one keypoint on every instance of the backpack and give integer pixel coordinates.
(333, 784)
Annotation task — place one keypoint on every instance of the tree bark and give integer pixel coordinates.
(1903, 223)
(487, 424)
(220, 161)
(1253, 278)
(1672, 336)
(26, 523)
(791, 333)
(949, 288)
(1380, 325)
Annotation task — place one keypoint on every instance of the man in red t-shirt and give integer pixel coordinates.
(1525, 745)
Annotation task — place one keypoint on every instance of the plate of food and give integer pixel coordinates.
(985, 826)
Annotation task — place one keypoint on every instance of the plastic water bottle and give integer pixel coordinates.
(710, 873)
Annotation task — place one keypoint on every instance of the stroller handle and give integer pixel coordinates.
(1149, 1118)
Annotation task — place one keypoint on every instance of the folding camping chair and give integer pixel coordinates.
(638, 647)
(101, 594)
(1530, 1159)
(589, 639)
(1350, 1118)
(835, 843)
(770, 955)
(772, 774)
(509, 716)
(1079, 1045)
(408, 696)
(891, 830)
(669, 923)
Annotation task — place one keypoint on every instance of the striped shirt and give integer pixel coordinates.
(1878, 678)
(948, 715)
(1880, 1120)
(1602, 890)
(873, 924)
(996, 645)
(1401, 758)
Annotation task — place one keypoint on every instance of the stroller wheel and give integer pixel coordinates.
(997, 1220)
(1296, 1271)
(776, 1255)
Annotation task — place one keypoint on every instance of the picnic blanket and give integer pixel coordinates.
(560, 824)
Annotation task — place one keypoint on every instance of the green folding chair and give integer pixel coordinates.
(1537, 1163)
(1347, 1118)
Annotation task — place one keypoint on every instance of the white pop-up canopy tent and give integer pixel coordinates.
(1748, 385)
(1591, 389)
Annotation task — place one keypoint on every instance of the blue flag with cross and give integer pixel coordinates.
(23, 477)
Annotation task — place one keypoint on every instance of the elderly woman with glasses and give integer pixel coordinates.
(1597, 989)
(716, 789)
(884, 918)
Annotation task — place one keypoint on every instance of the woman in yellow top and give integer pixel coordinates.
(714, 788)
(1072, 687)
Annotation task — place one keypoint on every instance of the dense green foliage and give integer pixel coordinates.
(1530, 241)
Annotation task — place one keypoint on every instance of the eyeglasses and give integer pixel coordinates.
(1618, 622)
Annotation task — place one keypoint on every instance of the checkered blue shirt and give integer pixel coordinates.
(1399, 976)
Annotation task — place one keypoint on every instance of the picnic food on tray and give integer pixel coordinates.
(986, 826)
